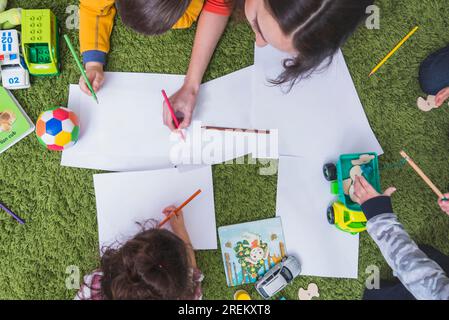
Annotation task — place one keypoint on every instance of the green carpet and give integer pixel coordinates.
(59, 203)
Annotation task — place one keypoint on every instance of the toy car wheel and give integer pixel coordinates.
(331, 215)
(330, 171)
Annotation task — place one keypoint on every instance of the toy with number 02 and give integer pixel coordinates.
(57, 129)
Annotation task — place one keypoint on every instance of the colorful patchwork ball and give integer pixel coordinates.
(57, 129)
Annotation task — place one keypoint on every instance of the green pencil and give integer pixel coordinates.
(83, 72)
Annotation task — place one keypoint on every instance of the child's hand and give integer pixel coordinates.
(95, 74)
(177, 222)
(444, 205)
(441, 97)
(363, 191)
(183, 103)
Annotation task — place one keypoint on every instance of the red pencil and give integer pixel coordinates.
(175, 212)
(172, 112)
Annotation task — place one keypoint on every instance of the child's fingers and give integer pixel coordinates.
(445, 196)
(186, 121)
(83, 87)
(358, 186)
(441, 97)
(365, 184)
(98, 82)
(167, 118)
(389, 192)
(169, 210)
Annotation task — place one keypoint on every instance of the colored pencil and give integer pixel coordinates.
(392, 52)
(176, 211)
(236, 129)
(172, 112)
(80, 66)
(12, 214)
(423, 175)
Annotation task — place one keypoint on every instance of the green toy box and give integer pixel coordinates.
(370, 172)
(40, 42)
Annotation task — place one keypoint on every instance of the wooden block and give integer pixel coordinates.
(363, 159)
(346, 185)
(310, 293)
(355, 171)
(426, 105)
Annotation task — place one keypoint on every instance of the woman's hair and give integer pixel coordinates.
(154, 265)
(151, 17)
(318, 28)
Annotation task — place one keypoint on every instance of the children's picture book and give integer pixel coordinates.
(14, 122)
(251, 249)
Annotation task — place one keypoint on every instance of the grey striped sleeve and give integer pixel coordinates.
(423, 277)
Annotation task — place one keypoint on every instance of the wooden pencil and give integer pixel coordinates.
(422, 175)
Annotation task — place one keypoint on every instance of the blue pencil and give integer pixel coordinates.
(12, 214)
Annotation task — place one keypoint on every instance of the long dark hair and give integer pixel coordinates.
(154, 265)
(319, 28)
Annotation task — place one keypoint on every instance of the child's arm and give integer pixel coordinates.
(210, 29)
(96, 22)
(178, 227)
(423, 277)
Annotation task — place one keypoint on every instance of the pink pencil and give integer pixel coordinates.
(172, 112)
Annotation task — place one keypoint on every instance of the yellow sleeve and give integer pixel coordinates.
(190, 16)
(96, 22)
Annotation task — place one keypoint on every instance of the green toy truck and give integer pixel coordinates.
(40, 42)
(345, 213)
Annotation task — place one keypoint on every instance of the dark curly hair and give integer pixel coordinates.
(154, 265)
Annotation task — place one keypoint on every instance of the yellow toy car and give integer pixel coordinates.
(344, 213)
(346, 220)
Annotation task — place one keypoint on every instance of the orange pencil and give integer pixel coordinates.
(175, 212)
(172, 112)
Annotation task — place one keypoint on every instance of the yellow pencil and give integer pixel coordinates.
(392, 52)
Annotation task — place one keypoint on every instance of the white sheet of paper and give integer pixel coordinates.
(319, 114)
(129, 197)
(303, 196)
(125, 131)
(226, 101)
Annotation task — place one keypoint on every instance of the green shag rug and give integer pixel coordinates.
(59, 203)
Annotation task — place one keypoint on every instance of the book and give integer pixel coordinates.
(251, 249)
(14, 122)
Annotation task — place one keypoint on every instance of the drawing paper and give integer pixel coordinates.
(127, 198)
(320, 114)
(125, 131)
(303, 196)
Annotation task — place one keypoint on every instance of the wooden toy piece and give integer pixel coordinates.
(355, 171)
(363, 159)
(422, 175)
(347, 185)
(351, 194)
(426, 105)
(310, 293)
(7, 119)
(242, 295)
